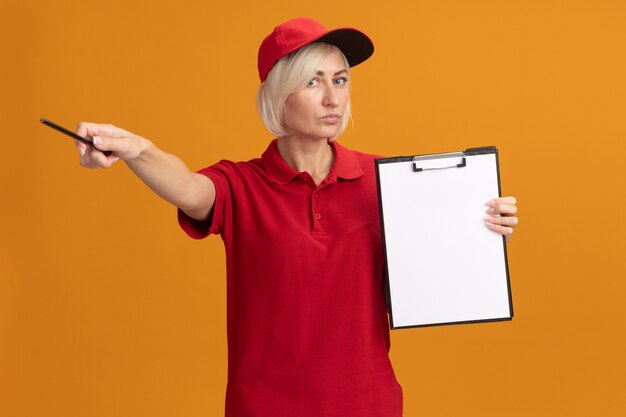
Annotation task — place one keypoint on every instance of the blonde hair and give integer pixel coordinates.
(289, 75)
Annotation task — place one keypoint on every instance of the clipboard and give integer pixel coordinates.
(442, 264)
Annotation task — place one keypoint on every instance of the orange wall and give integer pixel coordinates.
(108, 309)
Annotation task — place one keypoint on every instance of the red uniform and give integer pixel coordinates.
(307, 323)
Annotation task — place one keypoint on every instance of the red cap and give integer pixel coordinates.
(296, 33)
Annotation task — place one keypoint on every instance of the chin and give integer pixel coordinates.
(318, 134)
(328, 133)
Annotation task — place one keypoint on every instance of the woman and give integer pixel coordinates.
(307, 322)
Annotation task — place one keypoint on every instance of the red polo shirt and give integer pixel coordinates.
(307, 323)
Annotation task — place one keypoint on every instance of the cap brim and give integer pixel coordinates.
(355, 45)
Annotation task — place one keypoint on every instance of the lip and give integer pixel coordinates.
(331, 118)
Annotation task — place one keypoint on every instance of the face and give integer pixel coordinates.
(315, 112)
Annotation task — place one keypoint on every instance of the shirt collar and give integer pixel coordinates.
(346, 166)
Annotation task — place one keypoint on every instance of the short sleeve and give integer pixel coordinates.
(224, 178)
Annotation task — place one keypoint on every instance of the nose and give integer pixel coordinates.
(330, 96)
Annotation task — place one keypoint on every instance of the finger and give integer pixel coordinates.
(95, 159)
(506, 231)
(125, 148)
(506, 209)
(82, 148)
(111, 159)
(109, 144)
(86, 129)
(507, 200)
(503, 209)
(90, 159)
(501, 200)
(511, 221)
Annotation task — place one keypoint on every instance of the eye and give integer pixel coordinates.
(341, 80)
(312, 83)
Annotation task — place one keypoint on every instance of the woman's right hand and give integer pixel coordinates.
(106, 137)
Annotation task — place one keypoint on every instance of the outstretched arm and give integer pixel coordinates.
(164, 173)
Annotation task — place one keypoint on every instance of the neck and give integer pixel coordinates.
(313, 156)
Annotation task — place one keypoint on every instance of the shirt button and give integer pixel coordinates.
(305, 180)
(315, 195)
(318, 216)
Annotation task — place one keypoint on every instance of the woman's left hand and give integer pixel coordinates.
(502, 216)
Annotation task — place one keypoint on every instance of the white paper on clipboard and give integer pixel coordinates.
(443, 265)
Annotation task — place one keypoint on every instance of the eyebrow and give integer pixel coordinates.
(337, 73)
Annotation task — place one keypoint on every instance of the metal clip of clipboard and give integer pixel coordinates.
(432, 162)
